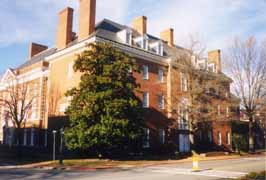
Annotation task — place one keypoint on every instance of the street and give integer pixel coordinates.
(210, 170)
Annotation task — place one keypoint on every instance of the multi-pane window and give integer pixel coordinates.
(145, 99)
(183, 118)
(146, 143)
(145, 72)
(184, 83)
(161, 101)
(129, 38)
(162, 136)
(227, 111)
(160, 74)
(228, 138)
(25, 137)
(32, 137)
(70, 70)
(219, 138)
(35, 103)
(160, 49)
(219, 110)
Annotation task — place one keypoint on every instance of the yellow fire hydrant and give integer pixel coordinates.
(195, 162)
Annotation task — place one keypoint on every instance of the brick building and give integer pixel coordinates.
(50, 71)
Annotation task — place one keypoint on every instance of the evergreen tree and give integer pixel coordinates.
(105, 114)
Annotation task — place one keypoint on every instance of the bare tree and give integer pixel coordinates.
(203, 87)
(246, 63)
(54, 96)
(17, 100)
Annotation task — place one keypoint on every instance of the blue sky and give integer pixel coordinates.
(214, 22)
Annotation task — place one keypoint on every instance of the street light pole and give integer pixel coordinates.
(61, 146)
(54, 134)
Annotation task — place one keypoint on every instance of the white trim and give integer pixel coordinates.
(79, 47)
(8, 71)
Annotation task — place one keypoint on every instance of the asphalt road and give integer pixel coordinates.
(210, 170)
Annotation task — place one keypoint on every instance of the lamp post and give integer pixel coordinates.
(61, 146)
(54, 134)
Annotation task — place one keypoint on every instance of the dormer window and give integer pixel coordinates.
(202, 64)
(126, 36)
(157, 48)
(212, 67)
(142, 42)
(129, 37)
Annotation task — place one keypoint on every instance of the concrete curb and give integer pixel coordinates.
(126, 167)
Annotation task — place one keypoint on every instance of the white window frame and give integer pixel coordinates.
(228, 138)
(35, 112)
(220, 138)
(184, 83)
(161, 101)
(128, 37)
(70, 70)
(146, 143)
(32, 137)
(162, 136)
(25, 137)
(161, 75)
(146, 99)
(227, 111)
(219, 110)
(145, 71)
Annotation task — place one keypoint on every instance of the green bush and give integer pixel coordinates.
(240, 142)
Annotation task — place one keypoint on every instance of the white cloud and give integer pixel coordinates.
(31, 20)
(215, 21)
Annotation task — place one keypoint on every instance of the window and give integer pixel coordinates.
(25, 137)
(35, 103)
(146, 143)
(162, 136)
(160, 49)
(32, 137)
(145, 72)
(212, 67)
(70, 70)
(161, 101)
(219, 110)
(145, 99)
(145, 44)
(160, 75)
(129, 37)
(219, 138)
(228, 138)
(183, 118)
(184, 83)
(227, 111)
(210, 136)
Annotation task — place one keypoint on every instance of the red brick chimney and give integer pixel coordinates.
(87, 16)
(35, 49)
(140, 24)
(168, 36)
(64, 29)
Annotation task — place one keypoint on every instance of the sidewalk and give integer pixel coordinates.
(95, 164)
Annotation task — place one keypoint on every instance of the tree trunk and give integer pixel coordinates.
(250, 135)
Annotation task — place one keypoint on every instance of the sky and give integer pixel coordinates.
(213, 22)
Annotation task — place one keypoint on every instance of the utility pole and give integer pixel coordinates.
(61, 146)
(54, 134)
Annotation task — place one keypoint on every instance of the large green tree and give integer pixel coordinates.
(105, 113)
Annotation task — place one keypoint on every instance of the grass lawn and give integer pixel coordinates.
(255, 176)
